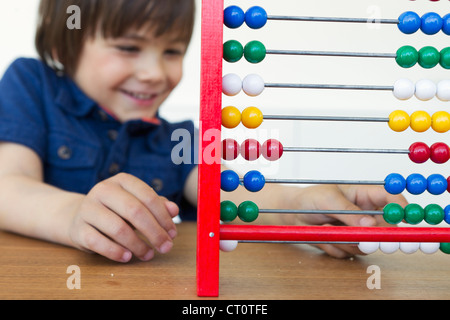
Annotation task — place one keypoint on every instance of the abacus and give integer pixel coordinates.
(214, 236)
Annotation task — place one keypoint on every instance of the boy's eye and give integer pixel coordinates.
(174, 52)
(129, 49)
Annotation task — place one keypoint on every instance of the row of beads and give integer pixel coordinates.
(273, 149)
(432, 214)
(409, 22)
(438, 152)
(247, 211)
(251, 149)
(427, 57)
(407, 56)
(416, 183)
(394, 183)
(403, 89)
(405, 247)
(393, 213)
(419, 121)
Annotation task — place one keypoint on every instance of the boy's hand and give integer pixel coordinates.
(342, 197)
(114, 211)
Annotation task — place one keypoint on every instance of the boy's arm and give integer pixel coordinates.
(105, 221)
(23, 195)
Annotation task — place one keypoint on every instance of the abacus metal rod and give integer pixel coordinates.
(347, 212)
(328, 86)
(332, 53)
(333, 19)
(326, 118)
(345, 150)
(312, 181)
(296, 242)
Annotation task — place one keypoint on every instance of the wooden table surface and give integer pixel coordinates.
(32, 269)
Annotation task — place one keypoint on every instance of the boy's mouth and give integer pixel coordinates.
(139, 95)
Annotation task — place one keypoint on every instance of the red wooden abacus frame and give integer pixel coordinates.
(209, 230)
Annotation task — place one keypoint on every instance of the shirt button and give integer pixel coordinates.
(114, 168)
(157, 184)
(103, 115)
(113, 134)
(64, 152)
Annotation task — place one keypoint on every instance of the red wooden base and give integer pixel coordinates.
(333, 234)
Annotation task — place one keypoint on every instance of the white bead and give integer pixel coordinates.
(389, 247)
(404, 89)
(228, 245)
(409, 247)
(443, 90)
(368, 247)
(429, 247)
(425, 90)
(253, 85)
(231, 84)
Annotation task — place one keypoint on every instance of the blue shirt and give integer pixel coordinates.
(79, 143)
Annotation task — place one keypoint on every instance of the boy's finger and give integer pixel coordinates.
(352, 219)
(139, 205)
(119, 231)
(150, 199)
(95, 241)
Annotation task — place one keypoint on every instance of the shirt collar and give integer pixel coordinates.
(72, 100)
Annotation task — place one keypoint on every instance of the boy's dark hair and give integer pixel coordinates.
(57, 44)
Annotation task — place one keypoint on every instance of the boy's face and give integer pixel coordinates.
(132, 75)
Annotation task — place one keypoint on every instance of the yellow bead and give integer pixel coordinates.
(252, 117)
(231, 117)
(420, 121)
(399, 121)
(440, 121)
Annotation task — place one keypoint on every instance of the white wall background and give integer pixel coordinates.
(17, 23)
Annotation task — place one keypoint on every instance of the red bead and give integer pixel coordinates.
(440, 152)
(230, 149)
(419, 152)
(272, 149)
(251, 149)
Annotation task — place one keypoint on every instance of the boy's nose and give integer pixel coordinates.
(150, 70)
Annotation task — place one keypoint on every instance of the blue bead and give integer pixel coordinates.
(447, 214)
(431, 23)
(229, 180)
(416, 184)
(394, 183)
(409, 22)
(254, 181)
(446, 24)
(437, 184)
(256, 17)
(233, 17)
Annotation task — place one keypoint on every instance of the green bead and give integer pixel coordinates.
(393, 213)
(445, 58)
(254, 52)
(445, 248)
(228, 211)
(434, 214)
(232, 51)
(248, 211)
(407, 57)
(429, 57)
(414, 213)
